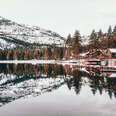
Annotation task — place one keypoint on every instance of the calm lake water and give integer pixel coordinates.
(56, 90)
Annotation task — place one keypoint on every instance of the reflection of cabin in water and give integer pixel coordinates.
(109, 62)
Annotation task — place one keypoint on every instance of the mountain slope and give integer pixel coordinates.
(14, 35)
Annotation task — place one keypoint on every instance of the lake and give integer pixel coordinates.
(56, 90)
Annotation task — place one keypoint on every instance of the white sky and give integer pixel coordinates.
(62, 16)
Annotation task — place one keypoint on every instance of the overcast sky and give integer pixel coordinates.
(62, 16)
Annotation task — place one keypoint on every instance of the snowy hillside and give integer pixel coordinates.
(13, 35)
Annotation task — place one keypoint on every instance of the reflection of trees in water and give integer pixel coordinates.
(77, 81)
(19, 76)
(99, 82)
(96, 81)
(48, 69)
(16, 74)
(111, 86)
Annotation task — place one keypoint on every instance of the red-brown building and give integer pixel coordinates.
(111, 53)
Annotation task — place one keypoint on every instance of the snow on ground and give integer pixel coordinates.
(31, 34)
(34, 62)
(4, 44)
(79, 62)
(28, 61)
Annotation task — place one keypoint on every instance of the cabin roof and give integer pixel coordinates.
(83, 54)
(113, 75)
(113, 50)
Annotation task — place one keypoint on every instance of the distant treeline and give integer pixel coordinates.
(28, 54)
(96, 40)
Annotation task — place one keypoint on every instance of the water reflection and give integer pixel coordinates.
(25, 80)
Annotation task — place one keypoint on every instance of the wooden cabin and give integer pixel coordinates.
(110, 60)
(111, 53)
(95, 54)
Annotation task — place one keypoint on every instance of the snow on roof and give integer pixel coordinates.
(83, 54)
(113, 76)
(113, 50)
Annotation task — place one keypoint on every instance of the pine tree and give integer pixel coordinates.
(114, 37)
(69, 40)
(114, 30)
(109, 38)
(91, 39)
(76, 43)
(100, 35)
(110, 30)
(94, 41)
